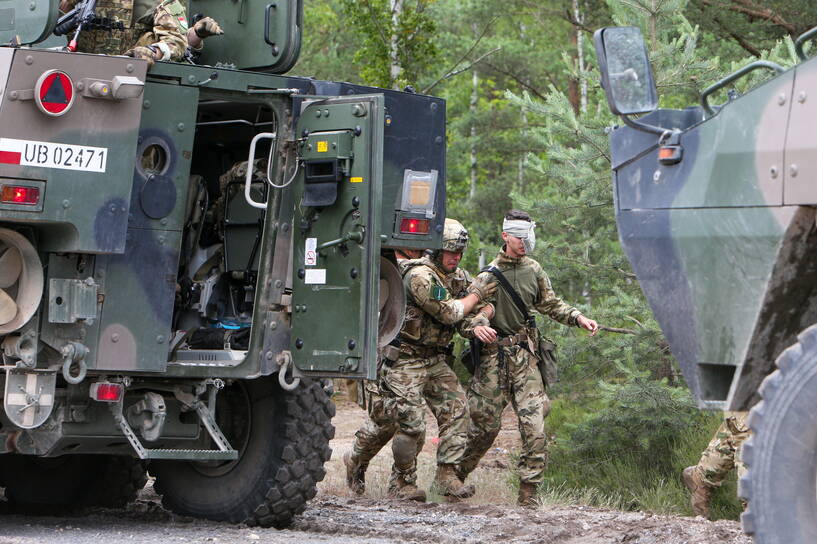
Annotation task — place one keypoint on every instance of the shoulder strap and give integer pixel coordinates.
(503, 281)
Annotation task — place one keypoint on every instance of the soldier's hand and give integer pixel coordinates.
(588, 324)
(141, 52)
(206, 27)
(483, 287)
(486, 335)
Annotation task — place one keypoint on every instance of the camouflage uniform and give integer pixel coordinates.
(381, 424)
(723, 452)
(720, 456)
(508, 370)
(421, 375)
(147, 22)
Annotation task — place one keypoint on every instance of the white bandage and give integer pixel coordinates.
(164, 48)
(521, 229)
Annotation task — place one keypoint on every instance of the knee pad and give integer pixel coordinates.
(404, 448)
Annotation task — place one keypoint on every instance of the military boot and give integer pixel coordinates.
(699, 491)
(527, 494)
(399, 488)
(355, 473)
(448, 484)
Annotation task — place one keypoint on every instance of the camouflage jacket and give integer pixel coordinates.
(432, 308)
(533, 286)
(147, 22)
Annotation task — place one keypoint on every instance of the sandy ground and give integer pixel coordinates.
(337, 516)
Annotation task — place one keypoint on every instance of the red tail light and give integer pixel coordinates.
(15, 194)
(414, 226)
(107, 392)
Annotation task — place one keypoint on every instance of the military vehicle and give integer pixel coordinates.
(165, 307)
(715, 206)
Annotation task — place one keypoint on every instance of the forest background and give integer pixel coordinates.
(526, 129)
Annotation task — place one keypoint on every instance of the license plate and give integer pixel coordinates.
(52, 155)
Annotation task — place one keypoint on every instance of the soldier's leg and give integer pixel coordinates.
(532, 405)
(403, 382)
(375, 433)
(486, 400)
(447, 402)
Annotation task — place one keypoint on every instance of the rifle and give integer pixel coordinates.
(76, 20)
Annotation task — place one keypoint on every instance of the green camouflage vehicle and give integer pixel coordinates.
(716, 212)
(166, 307)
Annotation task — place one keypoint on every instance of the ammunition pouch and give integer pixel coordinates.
(547, 361)
(470, 355)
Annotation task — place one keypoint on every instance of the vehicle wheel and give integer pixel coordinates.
(283, 441)
(781, 455)
(72, 481)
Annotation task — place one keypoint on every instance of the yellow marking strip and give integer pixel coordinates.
(356, 180)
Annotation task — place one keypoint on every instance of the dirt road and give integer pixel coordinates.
(338, 517)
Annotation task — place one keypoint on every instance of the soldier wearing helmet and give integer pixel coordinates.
(415, 374)
(508, 369)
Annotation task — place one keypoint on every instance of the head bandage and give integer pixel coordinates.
(523, 230)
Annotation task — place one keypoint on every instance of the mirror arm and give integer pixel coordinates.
(801, 41)
(644, 127)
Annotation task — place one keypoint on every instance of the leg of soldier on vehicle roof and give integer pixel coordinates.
(486, 401)
(531, 404)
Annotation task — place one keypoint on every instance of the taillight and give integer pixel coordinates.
(20, 194)
(107, 392)
(414, 226)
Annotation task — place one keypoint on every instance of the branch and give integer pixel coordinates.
(519, 81)
(616, 329)
(451, 74)
(465, 56)
(747, 7)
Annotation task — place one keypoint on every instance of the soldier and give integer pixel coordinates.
(153, 30)
(380, 427)
(720, 456)
(508, 368)
(417, 373)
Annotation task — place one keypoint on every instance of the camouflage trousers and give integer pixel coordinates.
(410, 384)
(510, 376)
(376, 432)
(723, 452)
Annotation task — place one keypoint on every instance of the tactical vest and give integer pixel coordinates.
(135, 15)
(420, 328)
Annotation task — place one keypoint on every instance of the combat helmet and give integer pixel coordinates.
(455, 236)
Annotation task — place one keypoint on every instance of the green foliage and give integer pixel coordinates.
(397, 40)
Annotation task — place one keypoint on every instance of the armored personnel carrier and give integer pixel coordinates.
(715, 206)
(185, 252)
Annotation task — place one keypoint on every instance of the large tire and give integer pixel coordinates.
(283, 442)
(71, 481)
(781, 455)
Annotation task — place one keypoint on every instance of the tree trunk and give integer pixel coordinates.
(395, 68)
(580, 49)
(473, 109)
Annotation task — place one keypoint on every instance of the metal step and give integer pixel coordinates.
(191, 455)
(225, 452)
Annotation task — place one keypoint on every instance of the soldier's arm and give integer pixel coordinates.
(551, 305)
(448, 312)
(171, 35)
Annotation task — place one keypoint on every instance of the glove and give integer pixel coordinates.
(483, 287)
(142, 52)
(207, 27)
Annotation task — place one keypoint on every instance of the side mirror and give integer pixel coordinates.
(626, 74)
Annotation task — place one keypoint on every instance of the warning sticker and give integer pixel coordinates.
(315, 276)
(323, 146)
(51, 155)
(311, 252)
